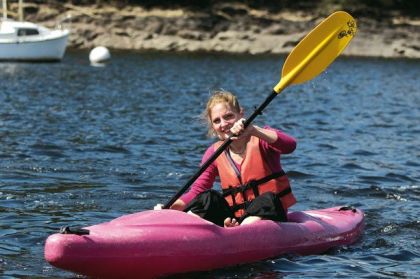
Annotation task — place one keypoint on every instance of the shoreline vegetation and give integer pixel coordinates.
(250, 27)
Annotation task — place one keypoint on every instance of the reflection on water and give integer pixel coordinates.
(81, 145)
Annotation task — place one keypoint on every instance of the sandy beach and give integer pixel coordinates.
(228, 27)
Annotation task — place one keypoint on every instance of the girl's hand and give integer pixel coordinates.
(177, 205)
(238, 130)
(159, 206)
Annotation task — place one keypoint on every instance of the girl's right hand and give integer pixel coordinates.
(239, 131)
(159, 206)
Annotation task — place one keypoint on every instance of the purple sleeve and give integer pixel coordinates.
(206, 179)
(284, 144)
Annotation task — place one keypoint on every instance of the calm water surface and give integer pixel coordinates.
(82, 145)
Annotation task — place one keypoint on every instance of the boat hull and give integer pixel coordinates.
(152, 244)
(51, 48)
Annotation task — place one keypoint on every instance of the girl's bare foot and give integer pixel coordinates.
(230, 222)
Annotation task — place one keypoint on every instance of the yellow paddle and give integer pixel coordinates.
(307, 60)
(317, 50)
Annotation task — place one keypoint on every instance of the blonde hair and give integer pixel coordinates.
(217, 97)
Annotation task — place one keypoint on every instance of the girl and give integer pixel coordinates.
(254, 186)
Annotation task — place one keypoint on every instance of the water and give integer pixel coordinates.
(82, 145)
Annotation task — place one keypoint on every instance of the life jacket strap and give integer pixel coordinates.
(253, 184)
(245, 204)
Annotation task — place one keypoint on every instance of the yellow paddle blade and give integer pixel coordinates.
(317, 50)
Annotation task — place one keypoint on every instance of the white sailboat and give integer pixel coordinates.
(26, 41)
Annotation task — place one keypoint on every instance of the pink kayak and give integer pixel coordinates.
(153, 244)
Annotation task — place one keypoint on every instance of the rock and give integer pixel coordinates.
(224, 27)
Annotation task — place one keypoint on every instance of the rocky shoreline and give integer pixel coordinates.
(227, 27)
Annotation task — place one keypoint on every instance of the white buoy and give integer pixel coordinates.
(99, 54)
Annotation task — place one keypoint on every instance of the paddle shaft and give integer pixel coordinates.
(219, 151)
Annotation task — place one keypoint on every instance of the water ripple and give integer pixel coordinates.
(76, 141)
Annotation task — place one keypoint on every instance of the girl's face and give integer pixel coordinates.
(222, 117)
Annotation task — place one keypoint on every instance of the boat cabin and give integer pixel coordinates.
(10, 29)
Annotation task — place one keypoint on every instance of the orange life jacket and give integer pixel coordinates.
(255, 178)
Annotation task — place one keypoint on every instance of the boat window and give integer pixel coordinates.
(27, 32)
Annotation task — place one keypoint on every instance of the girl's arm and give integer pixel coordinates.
(285, 144)
(203, 183)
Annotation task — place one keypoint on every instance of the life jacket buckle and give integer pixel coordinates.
(233, 192)
(253, 184)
